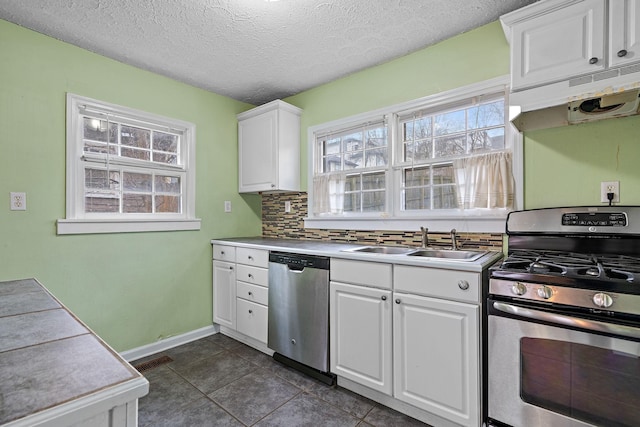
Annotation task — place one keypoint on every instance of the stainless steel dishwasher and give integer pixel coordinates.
(299, 312)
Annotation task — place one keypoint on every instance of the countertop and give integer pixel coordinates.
(340, 250)
(50, 358)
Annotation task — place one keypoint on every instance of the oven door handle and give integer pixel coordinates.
(560, 319)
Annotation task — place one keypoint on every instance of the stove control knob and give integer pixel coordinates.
(519, 288)
(545, 292)
(602, 300)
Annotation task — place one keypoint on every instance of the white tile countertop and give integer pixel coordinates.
(344, 250)
(53, 369)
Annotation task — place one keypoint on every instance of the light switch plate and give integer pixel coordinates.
(227, 206)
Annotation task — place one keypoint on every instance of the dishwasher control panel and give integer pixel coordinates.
(299, 260)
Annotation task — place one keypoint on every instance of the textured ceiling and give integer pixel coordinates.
(254, 50)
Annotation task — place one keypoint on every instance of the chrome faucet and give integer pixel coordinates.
(425, 237)
(454, 243)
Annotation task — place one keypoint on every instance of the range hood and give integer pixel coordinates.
(560, 104)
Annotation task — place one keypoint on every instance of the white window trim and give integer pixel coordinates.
(76, 222)
(470, 222)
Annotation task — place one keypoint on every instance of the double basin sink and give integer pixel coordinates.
(449, 254)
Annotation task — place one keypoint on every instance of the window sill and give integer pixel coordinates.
(470, 224)
(98, 226)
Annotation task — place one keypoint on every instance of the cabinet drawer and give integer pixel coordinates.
(251, 320)
(438, 283)
(254, 275)
(257, 257)
(365, 273)
(252, 293)
(224, 253)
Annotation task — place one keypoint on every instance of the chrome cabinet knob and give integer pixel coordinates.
(398, 301)
(463, 284)
(593, 60)
(602, 300)
(273, 186)
(545, 292)
(221, 252)
(250, 293)
(230, 268)
(293, 342)
(250, 311)
(383, 297)
(519, 288)
(250, 276)
(622, 53)
(250, 258)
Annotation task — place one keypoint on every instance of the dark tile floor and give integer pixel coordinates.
(218, 381)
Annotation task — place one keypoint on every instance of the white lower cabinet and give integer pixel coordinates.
(361, 343)
(437, 356)
(422, 351)
(224, 293)
(251, 319)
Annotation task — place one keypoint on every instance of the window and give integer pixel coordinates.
(449, 158)
(127, 170)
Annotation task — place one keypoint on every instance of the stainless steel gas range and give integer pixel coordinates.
(564, 320)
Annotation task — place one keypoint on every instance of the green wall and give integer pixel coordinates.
(131, 288)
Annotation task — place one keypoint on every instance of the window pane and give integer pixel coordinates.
(444, 197)
(167, 184)
(376, 157)
(135, 154)
(352, 202)
(352, 183)
(165, 142)
(450, 146)
(169, 159)
(417, 198)
(332, 163)
(353, 160)
(373, 181)
(137, 181)
(486, 115)
(417, 177)
(443, 174)
(95, 136)
(376, 137)
(331, 146)
(373, 201)
(168, 204)
(488, 139)
(101, 179)
(101, 204)
(448, 123)
(136, 203)
(135, 137)
(352, 142)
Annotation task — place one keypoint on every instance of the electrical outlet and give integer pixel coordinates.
(18, 201)
(287, 206)
(610, 187)
(227, 206)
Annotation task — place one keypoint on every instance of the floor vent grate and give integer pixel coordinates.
(153, 363)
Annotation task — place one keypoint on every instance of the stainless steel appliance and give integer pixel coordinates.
(564, 320)
(299, 312)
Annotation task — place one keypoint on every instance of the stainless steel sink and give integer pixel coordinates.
(448, 254)
(386, 250)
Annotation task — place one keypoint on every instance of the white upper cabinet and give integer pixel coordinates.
(269, 148)
(574, 47)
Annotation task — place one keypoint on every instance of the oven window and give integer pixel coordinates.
(592, 384)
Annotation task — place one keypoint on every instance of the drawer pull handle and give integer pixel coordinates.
(250, 276)
(383, 298)
(221, 252)
(250, 258)
(593, 60)
(463, 284)
(230, 268)
(622, 53)
(250, 293)
(250, 311)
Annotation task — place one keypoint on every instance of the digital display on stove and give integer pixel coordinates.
(600, 219)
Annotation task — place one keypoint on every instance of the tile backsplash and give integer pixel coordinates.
(276, 223)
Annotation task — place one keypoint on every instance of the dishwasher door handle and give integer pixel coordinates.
(295, 268)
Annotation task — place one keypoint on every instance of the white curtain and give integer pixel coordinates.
(328, 193)
(485, 181)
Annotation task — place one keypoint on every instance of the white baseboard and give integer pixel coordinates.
(167, 343)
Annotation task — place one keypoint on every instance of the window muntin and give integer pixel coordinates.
(127, 170)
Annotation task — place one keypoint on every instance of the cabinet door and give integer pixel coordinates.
(360, 332)
(252, 320)
(224, 294)
(559, 45)
(624, 18)
(257, 151)
(436, 356)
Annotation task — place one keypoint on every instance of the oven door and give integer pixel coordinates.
(550, 369)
